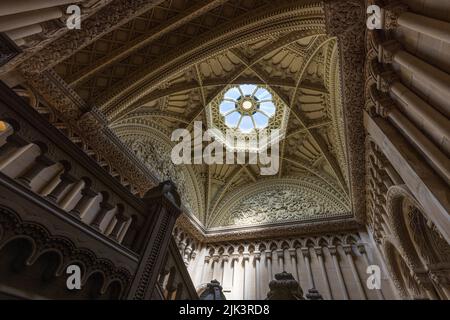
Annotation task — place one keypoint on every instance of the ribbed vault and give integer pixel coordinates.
(161, 70)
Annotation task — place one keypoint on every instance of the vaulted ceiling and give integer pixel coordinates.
(160, 71)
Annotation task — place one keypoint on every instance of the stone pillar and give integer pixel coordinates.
(40, 163)
(105, 207)
(362, 251)
(227, 273)
(349, 253)
(205, 270)
(216, 267)
(257, 257)
(66, 181)
(319, 254)
(431, 27)
(23, 32)
(426, 117)
(293, 255)
(121, 221)
(269, 264)
(13, 149)
(391, 51)
(280, 260)
(163, 203)
(246, 259)
(306, 257)
(87, 198)
(334, 253)
(238, 278)
(28, 18)
(8, 7)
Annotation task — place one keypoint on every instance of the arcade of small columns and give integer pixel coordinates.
(408, 147)
(336, 265)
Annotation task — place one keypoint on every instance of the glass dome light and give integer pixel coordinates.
(247, 107)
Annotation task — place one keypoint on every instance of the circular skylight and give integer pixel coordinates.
(247, 107)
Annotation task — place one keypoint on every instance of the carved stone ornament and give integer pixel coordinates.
(284, 287)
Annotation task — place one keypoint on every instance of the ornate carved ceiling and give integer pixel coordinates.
(158, 71)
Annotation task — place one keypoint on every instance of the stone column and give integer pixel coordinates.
(216, 267)
(237, 277)
(319, 254)
(105, 207)
(427, 117)
(226, 275)
(8, 7)
(163, 203)
(437, 159)
(269, 264)
(293, 255)
(23, 32)
(349, 253)
(431, 27)
(391, 51)
(334, 253)
(121, 221)
(246, 259)
(13, 149)
(362, 251)
(257, 257)
(40, 163)
(205, 270)
(65, 182)
(280, 260)
(28, 18)
(306, 257)
(87, 198)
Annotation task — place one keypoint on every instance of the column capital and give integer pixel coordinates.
(292, 252)
(257, 255)
(207, 259)
(280, 253)
(215, 257)
(246, 255)
(318, 251)
(235, 256)
(305, 251)
(362, 249)
(386, 79)
(225, 257)
(333, 250)
(348, 249)
(391, 14)
(268, 254)
(387, 51)
(382, 102)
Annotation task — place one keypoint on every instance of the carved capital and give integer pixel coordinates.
(318, 251)
(348, 249)
(387, 51)
(305, 251)
(333, 250)
(391, 14)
